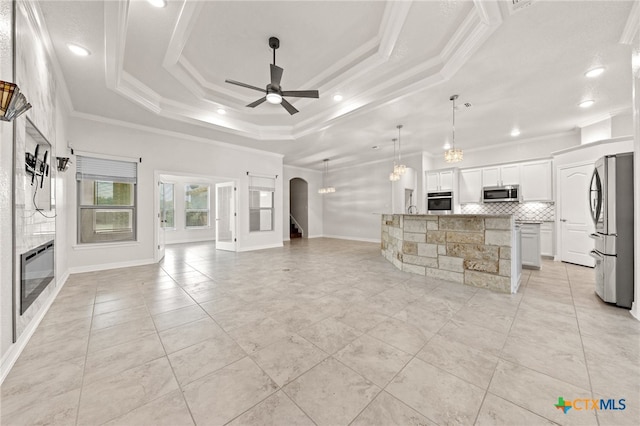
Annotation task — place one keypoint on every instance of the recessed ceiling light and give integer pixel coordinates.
(594, 72)
(337, 97)
(222, 111)
(158, 3)
(78, 50)
(515, 132)
(587, 103)
(375, 147)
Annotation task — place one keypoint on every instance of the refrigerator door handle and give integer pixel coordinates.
(597, 256)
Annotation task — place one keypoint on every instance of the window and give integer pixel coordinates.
(196, 205)
(106, 200)
(167, 206)
(261, 191)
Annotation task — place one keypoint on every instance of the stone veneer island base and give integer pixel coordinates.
(476, 250)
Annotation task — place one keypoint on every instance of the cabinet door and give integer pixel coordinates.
(510, 175)
(470, 186)
(433, 181)
(536, 181)
(530, 239)
(446, 180)
(491, 176)
(546, 239)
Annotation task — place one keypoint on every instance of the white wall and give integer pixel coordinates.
(169, 153)
(6, 204)
(315, 200)
(362, 194)
(517, 150)
(36, 76)
(181, 234)
(635, 61)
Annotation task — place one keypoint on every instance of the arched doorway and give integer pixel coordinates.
(298, 208)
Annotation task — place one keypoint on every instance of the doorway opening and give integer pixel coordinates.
(298, 208)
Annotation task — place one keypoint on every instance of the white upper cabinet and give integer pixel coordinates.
(536, 182)
(470, 186)
(440, 180)
(510, 174)
(501, 175)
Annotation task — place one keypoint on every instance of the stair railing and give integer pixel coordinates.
(295, 222)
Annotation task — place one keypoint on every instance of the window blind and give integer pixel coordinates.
(259, 183)
(102, 169)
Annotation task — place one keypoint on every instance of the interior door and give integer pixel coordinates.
(575, 215)
(161, 221)
(226, 216)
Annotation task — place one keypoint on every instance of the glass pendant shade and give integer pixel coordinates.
(453, 154)
(326, 189)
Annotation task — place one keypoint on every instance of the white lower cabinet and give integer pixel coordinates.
(547, 239)
(530, 245)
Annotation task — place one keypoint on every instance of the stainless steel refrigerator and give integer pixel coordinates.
(611, 205)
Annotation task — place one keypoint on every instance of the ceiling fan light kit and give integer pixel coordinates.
(273, 92)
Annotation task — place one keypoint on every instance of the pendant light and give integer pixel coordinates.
(394, 176)
(453, 155)
(400, 169)
(326, 189)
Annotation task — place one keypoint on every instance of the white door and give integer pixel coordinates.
(575, 221)
(161, 219)
(226, 216)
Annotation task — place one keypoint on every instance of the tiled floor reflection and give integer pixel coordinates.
(321, 332)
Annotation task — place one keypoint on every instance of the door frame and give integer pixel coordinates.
(558, 185)
(157, 177)
(233, 246)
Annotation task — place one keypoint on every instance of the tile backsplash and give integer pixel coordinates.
(544, 212)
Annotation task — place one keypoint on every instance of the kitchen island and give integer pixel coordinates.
(475, 250)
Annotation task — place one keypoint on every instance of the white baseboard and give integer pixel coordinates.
(635, 310)
(315, 236)
(105, 266)
(14, 351)
(342, 237)
(189, 240)
(267, 246)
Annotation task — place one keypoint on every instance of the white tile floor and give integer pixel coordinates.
(321, 332)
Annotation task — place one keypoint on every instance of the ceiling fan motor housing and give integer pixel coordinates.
(274, 42)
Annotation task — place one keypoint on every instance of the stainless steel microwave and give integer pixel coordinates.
(498, 194)
(440, 202)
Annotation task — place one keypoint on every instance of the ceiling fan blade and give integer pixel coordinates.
(258, 102)
(248, 86)
(276, 75)
(289, 107)
(301, 93)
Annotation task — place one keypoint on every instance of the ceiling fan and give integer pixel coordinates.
(274, 93)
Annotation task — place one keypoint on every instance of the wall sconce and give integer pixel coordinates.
(63, 163)
(12, 102)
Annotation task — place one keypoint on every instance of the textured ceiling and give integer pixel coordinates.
(392, 61)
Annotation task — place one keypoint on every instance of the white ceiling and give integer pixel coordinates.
(394, 62)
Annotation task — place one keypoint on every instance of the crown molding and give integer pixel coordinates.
(605, 116)
(632, 26)
(170, 133)
(478, 25)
